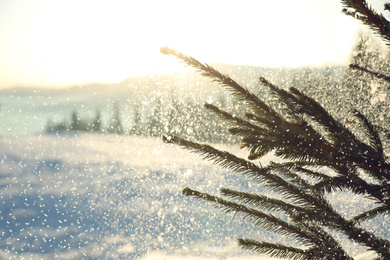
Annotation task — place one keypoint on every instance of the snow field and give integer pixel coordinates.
(75, 196)
(94, 196)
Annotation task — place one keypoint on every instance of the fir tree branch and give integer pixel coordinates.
(245, 129)
(282, 251)
(371, 72)
(370, 214)
(250, 139)
(357, 185)
(293, 141)
(373, 137)
(330, 247)
(297, 214)
(292, 102)
(264, 203)
(313, 174)
(310, 107)
(265, 221)
(273, 250)
(240, 92)
(235, 120)
(301, 166)
(284, 97)
(279, 185)
(297, 104)
(239, 165)
(296, 140)
(368, 16)
(362, 236)
(297, 165)
(293, 177)
(355, 15)
(353, 183)
(348, 149)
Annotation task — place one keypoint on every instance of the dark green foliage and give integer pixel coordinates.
(298, 129)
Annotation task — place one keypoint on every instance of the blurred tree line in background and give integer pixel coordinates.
(148, 118)
(180, 114)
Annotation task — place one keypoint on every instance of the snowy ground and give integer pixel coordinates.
(107, 196)
(97, 196)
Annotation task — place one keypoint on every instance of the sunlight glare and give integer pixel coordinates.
(70, 42)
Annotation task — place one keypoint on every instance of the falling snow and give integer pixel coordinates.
(112, 196)
(78, 195)
(107, 196)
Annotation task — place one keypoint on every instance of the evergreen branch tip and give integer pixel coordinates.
(189, 192)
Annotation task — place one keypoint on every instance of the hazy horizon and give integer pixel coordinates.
(59, 44)
(184, 71)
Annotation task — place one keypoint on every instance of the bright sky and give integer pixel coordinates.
(57, 43)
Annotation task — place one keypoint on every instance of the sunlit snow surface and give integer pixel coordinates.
(78, 196)
(108, 196)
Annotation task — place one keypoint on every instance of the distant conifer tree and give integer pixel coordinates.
(116, 124)
(75, 121)
(308, 139)
(136, 128)
(155, 125)
(97, 122)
